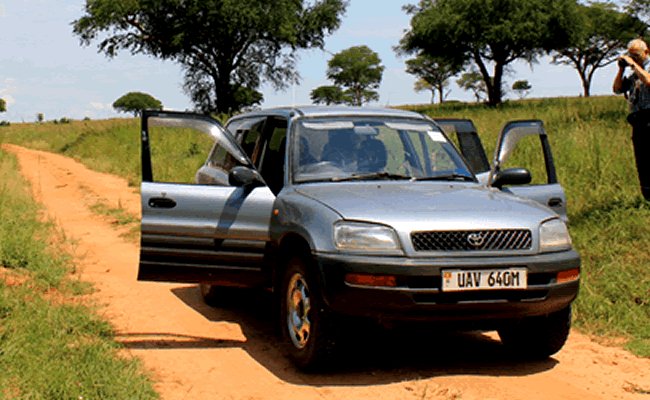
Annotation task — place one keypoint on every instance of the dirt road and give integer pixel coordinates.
(198, 352)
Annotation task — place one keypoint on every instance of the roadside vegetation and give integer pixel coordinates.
(593, 153)
(53, 344)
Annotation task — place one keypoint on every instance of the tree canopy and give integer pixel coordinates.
(3, 105)
(491, 33)
(327, 95)
(358, 70)
(222, 45)
(605, 34)
(435, 72)
(135, 102)
(522, 88)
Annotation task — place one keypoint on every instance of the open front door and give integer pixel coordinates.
(547, 190)
(216, 233)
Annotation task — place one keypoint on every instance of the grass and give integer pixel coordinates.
(590, 138)
(53, 344)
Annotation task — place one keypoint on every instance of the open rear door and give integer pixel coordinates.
(198, 232)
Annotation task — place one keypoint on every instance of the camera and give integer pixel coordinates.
(622, 63)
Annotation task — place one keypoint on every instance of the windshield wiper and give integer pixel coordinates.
(446, 177)
(371, 176)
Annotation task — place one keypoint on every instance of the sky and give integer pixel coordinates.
(44, 69)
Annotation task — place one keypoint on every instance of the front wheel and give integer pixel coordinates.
(307, 326)
(537, 338)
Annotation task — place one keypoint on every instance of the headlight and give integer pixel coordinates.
(554, 235)
(361, 236)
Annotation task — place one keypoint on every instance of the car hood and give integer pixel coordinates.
(428, 205)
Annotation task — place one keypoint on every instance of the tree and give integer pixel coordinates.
(606, 33)
(327, 95)
(434, 71)
(222, 45)
(421, 85)
(358, 70)
(491, 33)
(39, 117)
(473, 81)
(522, 88)
(136, 102)
(639, 9)
(3, 105)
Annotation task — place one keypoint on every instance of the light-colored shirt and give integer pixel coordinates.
(637, 94)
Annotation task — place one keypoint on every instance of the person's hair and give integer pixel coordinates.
(637, 44)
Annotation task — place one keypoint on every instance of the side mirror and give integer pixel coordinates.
(511, 176)
(245, 177)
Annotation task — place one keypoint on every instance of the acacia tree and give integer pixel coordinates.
(606, 33)
(222, 45)
(522, 88)
(472, 81)
(358, 70)
(434, 71)
(327, 95)
(491, 33)
(3, 105)
(136, 102)
(421, 85)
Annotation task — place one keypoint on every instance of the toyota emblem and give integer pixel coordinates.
(475, 239)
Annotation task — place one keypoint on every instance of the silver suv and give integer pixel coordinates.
(366, 213)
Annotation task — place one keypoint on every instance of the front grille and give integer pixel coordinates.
(497, 239)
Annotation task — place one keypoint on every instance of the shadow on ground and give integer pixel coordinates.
(369, 355)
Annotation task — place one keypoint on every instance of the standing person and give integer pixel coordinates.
(636, 88)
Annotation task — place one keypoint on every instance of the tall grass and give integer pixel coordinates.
(590, 138)
(53, 345)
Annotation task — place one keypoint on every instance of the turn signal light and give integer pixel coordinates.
(568, 276)
(371, 280)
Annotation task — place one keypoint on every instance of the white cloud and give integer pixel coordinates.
(97, 106)
(10, 100)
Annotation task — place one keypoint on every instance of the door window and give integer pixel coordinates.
(248, 133)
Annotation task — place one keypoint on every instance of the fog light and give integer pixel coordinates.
(568, 276)
(371, 280)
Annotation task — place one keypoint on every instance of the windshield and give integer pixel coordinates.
(349, 148)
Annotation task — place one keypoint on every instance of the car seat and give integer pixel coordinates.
(371, 156)
(340, 147)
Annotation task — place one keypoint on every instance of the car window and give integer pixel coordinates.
(248, 132)
(338, 147)
(271, 165)
(177, 152)
(529, 154)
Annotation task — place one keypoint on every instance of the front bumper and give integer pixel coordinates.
(418, 295)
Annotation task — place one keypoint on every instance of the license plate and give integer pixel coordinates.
(456, 280)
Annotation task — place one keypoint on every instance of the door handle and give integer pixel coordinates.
(554, 202)
(161, 202)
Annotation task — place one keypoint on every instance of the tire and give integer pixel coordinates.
(218, 296)
(306, 322)
(537, 338)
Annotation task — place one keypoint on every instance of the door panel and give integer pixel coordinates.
(548, 191)
(203, 232)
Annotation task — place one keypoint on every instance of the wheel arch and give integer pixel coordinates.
(291, 244)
